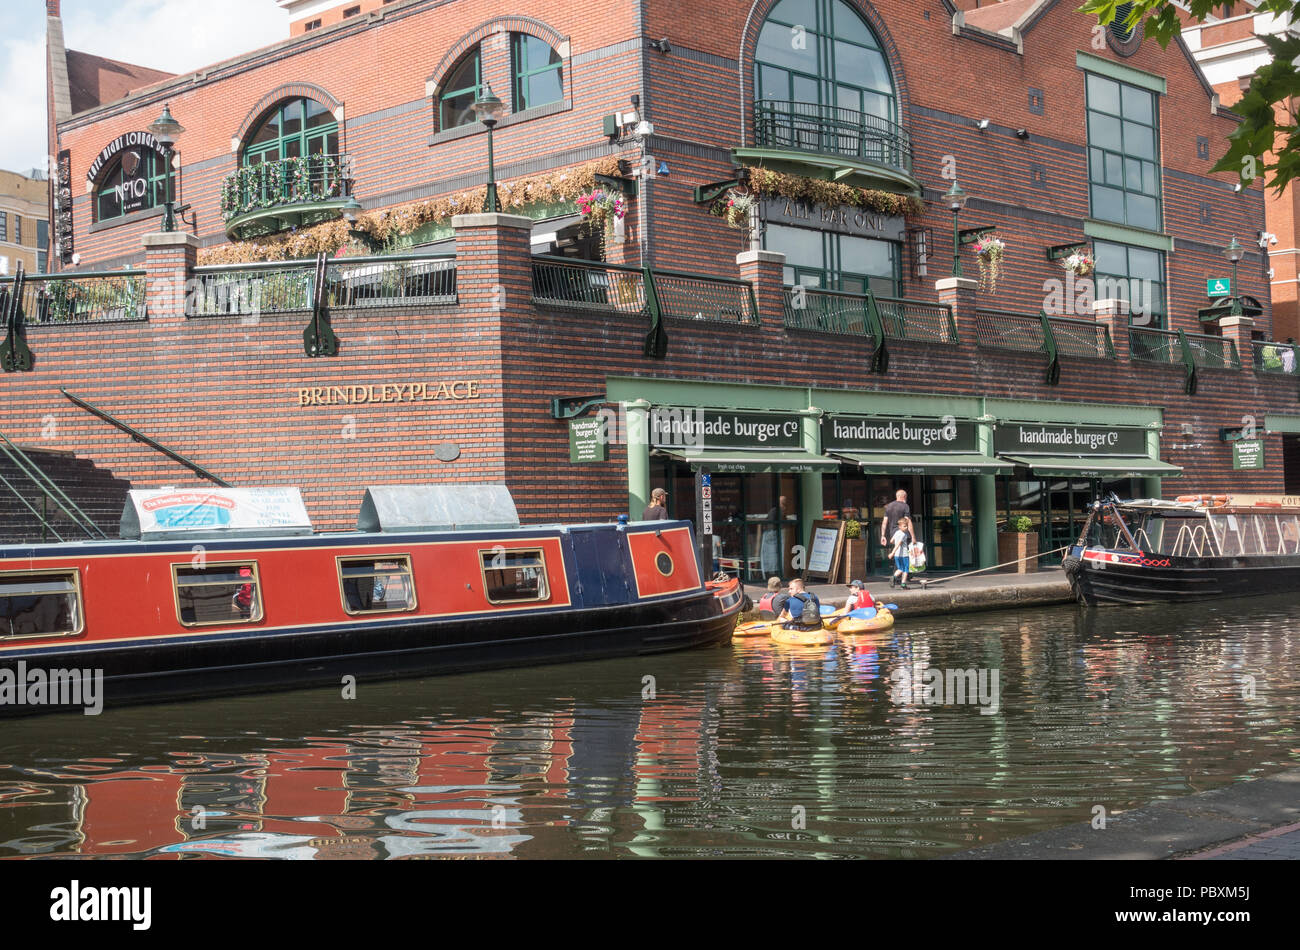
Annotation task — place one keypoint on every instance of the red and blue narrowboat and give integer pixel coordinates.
(231, 590)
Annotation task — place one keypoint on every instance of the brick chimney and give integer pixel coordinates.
(52, 8)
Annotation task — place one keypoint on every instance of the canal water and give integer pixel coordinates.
(862, 749)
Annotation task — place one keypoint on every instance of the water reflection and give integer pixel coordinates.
(752, 750)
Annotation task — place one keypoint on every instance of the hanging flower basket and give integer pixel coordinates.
(1080, 264)
(989, 251)
(599, 210)
(738, 210)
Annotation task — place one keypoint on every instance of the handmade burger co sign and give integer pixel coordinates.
(874, 434)
(1027, 439)
(689, 428)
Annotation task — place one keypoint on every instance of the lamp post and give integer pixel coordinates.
(956, 200)
(1234, 252)
(166, 130)
(489, 110)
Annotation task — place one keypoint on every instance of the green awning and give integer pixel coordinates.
(734, 460)
(925, 463)
(1100, 466)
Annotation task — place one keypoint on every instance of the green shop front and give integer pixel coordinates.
(781, 457)
(1059, 469)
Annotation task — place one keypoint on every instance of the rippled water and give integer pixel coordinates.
(748, 750)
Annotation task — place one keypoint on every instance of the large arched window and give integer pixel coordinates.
(292, 129)
(820, 55)
(539, 72)
(461, 91)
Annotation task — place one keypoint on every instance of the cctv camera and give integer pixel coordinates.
(982, 124)
(1237, 187)
(1272, 239)
(1022, 133)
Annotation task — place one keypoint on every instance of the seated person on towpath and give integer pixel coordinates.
(799, 607)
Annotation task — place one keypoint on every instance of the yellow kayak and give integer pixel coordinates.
(883, 620)
(756, 628)
(802, 638)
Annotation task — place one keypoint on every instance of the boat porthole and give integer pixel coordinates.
(664, 563)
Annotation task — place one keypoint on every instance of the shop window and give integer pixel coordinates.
(40, 604)
(227, 593)
(377, 585)
(1135, 275)
(135, 180)
(461, 91)
(538, 71)
(1123, 153)
(514, 576)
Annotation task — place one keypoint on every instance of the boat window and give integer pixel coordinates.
(40, 604)
(217, 593)
(377, 585)
(513, 576)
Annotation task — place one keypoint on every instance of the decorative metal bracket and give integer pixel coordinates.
(1059, 252)
(319, 339)
(570, 407)
(879, 351)
(1189, 362)
(706, 194)
(624, 186)
(1053, 375)
(971, 235)
(15, 357)
(656, 341)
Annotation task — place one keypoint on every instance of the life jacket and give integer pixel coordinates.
(766, 602)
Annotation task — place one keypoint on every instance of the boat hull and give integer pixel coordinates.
(424, 647)
(1099, 577)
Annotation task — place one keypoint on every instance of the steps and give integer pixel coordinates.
(95, 491)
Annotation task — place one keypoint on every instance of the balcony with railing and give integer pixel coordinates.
(293, 192)
(855, 147)
(72, 298)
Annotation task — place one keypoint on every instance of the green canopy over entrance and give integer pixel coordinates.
(924, 463)
(734, 460)
(1098, 466)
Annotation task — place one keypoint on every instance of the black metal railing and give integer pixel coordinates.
(1008, 330)
(1202, 350)
(917, 320)
(352, 283)
(588, 285)
(99, 297)
(289, 181)
(695, 297)
(827, 311)
(831, 130)
(1081, 337)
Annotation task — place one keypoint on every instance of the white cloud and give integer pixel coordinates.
(178, 36)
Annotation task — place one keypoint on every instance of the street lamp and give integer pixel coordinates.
(956, 200)
(489, 110)
(166, 130)
(1234, 252)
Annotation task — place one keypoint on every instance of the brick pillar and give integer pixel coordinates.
(1237, 329)
(959, 293)
(1114, 313)
(493, 262)
(764, 270)
(169, 259)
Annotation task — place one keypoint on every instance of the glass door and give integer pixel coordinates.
(940, 529)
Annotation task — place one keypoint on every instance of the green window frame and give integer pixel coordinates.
(1136, 275)
(838, 60)
(538, 72)
(827, 260)
(107, 204)
(1123, 153)
(465, 83)
(292, 129)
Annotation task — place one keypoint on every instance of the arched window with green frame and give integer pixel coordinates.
(539, 72)
(461, 91)
(293, 129)
(823, 84)
(135, 181)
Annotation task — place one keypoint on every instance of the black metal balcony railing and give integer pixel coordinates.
(831, 130)
(1282, 359)
(588, 285)
(827, 311)
(917, 320)
(102, 297)
(305, 179)
(1205, 351)
(355, 283)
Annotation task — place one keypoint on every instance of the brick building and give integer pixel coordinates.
(24, 221)
(808, 344)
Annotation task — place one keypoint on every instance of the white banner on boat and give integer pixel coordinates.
(153, 514)
(1263, 501)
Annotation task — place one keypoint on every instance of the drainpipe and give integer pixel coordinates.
(643, 204)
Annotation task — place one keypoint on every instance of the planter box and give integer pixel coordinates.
(1014, 545)
(853, 566)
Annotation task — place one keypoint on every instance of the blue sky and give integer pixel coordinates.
(174, 35)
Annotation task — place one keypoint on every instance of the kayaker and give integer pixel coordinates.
(794, 604)
(859, 597)
(773, 589)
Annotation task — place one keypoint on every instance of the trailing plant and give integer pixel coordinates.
(765, 183)
(739, 209)
(289, 180)
(989, 251)
(1080, 264)
(393, 227)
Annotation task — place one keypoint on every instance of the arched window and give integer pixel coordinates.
(293, 129)
(820, 55)
(461, 90)
(538, 72)
(136, 179)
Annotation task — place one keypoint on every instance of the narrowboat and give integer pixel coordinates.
(1195, 547)
(232, 590)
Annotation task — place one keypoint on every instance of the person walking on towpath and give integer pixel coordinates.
(657, 510)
